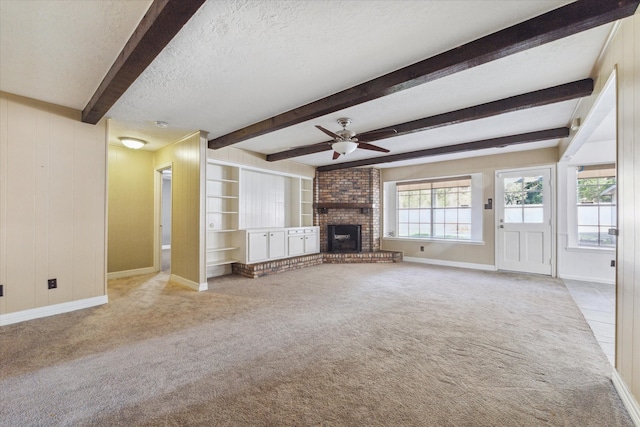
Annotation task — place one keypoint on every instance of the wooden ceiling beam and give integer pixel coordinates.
(504, 141)
(538, 98)
(163, 20)
(565, 21)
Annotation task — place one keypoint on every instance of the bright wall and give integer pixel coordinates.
(131, 209)
(52, 205)
(481, 255)
(623, 54)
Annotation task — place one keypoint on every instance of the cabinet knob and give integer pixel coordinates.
(266, 235)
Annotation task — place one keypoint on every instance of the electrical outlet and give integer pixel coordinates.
(52, 283)
(421, 248)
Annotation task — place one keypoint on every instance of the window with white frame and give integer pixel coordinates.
(439, 208)
(596, 205)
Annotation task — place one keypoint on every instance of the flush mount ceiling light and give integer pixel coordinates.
(133, 143)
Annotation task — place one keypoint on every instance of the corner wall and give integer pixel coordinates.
(187, 224)
(624, 55)
(52, 209)
(456, 253)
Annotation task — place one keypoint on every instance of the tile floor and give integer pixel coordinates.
(597, 301)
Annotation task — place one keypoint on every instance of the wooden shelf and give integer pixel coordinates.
(223, 197)
(222, 180)
(222, 249)
(221, 262)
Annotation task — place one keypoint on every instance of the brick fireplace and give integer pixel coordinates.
(349, 196)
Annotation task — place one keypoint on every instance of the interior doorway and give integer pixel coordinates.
(164, 192)
(589, 267)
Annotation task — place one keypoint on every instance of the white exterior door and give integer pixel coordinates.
(524, 221)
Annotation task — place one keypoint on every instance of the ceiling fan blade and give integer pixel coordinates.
(328, 132)
(376, 134)
(335, 155)
(372, 147)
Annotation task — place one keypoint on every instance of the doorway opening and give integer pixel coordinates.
(164, 192)
(588, 247)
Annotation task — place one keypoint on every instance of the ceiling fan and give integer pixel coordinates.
(345, 141)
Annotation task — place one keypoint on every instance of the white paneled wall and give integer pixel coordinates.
(263, 200)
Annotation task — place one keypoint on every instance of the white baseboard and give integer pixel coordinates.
(50, 310)
(470, 265)
(186, 282)
(127, 273)
(587, 279)
(627, 398)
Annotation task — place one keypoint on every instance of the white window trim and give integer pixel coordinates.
(572, 217)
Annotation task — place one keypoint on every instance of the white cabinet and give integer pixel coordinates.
(257, 245)
(303, 241)
(267, 244)
(296, 243)
(277, 244)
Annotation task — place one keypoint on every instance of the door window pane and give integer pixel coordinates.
(513, 215)
(533, 215)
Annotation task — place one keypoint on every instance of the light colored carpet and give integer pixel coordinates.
(335, 344)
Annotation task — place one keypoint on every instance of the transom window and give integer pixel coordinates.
(596, 205)
(439, 208)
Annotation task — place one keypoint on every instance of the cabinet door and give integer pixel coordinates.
(296, 245)
(258, 246)
(276, 244)
(311, 243)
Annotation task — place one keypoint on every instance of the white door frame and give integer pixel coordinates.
(552, 210)
(157, 216)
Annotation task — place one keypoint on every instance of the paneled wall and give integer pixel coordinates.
(131, 180)
(623, 55)
(263, 200)
(187, 222)
(487, 165)
(52, 205)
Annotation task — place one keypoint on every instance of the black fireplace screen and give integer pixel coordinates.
(344, 238)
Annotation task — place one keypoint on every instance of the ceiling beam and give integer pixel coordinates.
(538, 98)
(503, 141)
(160, 24)
(565, 21)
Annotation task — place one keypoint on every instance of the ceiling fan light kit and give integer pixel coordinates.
(344, 147)
(345, 142)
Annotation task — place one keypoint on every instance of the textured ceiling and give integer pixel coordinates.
(239, 62)
(59, 51)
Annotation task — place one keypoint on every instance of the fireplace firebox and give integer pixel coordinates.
(344, 238)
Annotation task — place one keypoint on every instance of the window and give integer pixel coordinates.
(438, 209)
(523, 200)
(596, 205)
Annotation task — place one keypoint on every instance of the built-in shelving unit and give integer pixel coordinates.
(223, 192)
(241, 198)
(306, 202)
